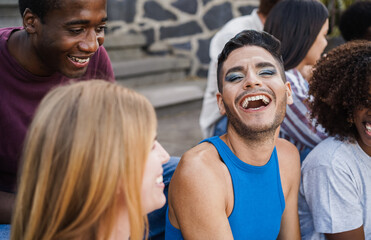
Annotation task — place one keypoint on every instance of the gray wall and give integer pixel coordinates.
(183, 26)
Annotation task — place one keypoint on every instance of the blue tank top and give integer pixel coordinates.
(258, 197)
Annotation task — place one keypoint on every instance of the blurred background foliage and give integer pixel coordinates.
(336, 8)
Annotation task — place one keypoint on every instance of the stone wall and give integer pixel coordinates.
(182, 27)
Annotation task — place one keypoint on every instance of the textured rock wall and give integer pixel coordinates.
(184, 27)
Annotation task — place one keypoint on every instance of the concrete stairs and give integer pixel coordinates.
(161, 78)
(9, 14)
(160, 75)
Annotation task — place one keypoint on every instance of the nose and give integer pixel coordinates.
(251, 81)
(90, 42)
(165, 157)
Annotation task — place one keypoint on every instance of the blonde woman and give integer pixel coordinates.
(92, 168)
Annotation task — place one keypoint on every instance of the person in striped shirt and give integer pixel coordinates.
(303, 39)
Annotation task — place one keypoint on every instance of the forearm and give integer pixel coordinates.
(7, 201)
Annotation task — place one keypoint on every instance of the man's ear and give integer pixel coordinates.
(220, 102)
(289, 93)
(30, 21)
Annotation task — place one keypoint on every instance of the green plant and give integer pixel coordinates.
(335, 8)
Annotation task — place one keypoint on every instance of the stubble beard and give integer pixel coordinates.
(259, 133)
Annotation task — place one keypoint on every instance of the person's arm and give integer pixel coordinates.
(289, 163)
(197, 200)
(210, 112)
(356, 234)
(7, 201)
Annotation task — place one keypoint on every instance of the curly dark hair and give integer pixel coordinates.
(339, 86)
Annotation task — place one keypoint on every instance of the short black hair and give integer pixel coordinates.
(296, 23)
(250, 38)
(355, 21)
(339, 86)
(38, 7)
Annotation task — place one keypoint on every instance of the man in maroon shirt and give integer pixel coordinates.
(59, 41)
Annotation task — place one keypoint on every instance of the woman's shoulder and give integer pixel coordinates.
(329, 153)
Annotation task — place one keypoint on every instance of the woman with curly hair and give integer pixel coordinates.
(335, 192)
(92, 168)
(301, 26)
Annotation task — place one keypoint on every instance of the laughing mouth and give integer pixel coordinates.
(79, 60)
(368, 127)
(159, 180)
(255, 102)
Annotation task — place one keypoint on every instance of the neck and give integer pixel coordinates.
(364, 147)
(121, 230)
(305, 70)
(21, 48)
(254, 151)
(262, 17)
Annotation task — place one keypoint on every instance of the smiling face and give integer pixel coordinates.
(70, 36)
(254, 95)
(153, 187)
(362, 121)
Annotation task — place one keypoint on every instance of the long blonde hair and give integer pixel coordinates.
(87, 140)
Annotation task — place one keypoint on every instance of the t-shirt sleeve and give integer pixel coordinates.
(332, 196)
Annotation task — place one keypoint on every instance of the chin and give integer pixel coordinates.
(159, 203)
(74, 74)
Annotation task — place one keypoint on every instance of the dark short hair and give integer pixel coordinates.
(250, 38)
(340, 85)
(296, 23)
(265, 6)
(38, 7)
(355, 21)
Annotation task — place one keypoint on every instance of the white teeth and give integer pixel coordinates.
(255, 98)
(79, 60)
(368, 127)
(265, 100)
(245, 103)
(159, 180)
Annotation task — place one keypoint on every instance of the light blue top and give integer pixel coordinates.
(258, 198)
(335, 190)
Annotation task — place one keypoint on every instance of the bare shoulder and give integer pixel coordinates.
(288, 154)
(289, 164)
(199, 159)
(198, 185)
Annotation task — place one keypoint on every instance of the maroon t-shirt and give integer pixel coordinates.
(20, 94)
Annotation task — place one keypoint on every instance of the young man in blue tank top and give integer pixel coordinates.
(243, 185)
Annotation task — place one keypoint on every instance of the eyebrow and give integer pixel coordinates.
(234, 69)
(258, 65)
(264, 64)
(78, 22)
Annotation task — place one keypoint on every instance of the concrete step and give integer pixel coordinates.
(124, 46)
(174, 93)
(9, 14)
(172, 98)
(151, 70)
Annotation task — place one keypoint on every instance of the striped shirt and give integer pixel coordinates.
(297, 127)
